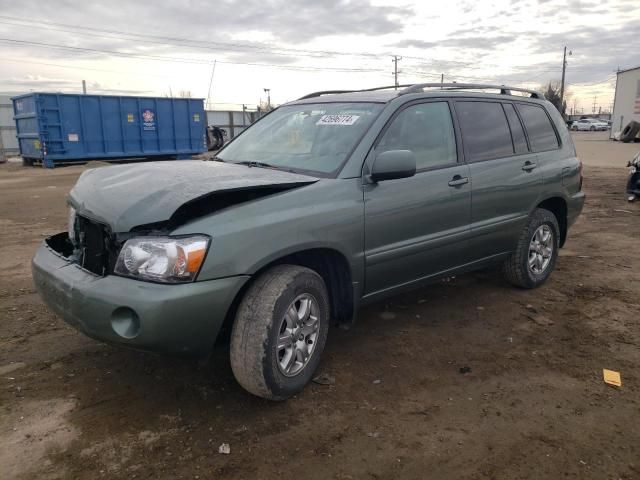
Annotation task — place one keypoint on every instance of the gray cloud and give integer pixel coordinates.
(477, 42)
(596, 50)
(218, 30)
(286, 20)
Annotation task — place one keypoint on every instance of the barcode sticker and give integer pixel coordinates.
(338, 120)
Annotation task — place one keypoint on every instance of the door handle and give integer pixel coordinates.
(528, 166)
(458, 180)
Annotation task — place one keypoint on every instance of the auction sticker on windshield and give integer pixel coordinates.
(338, 120)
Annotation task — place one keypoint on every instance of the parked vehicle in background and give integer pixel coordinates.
(327, 203)
(590, 124)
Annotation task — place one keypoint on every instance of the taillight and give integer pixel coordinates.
(581, 175)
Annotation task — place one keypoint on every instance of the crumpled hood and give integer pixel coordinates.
(126, 196)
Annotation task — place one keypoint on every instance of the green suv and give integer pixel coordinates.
(327, 203)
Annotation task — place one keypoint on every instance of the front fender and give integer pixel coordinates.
(247, 237)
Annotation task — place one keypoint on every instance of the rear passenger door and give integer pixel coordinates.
(506, 180)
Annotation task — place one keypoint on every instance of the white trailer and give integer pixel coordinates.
(626, 104)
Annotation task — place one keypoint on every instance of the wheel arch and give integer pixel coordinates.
(330, 264)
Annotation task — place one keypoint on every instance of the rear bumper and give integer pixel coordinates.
(179, 319)
(574, 207)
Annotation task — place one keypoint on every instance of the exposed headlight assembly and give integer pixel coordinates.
(71, 225)
(162, 259)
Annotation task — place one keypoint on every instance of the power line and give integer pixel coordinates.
(304, 68)
(217, 45)
(189, 43)
(594, 84)
(179, 59)
(129, 73)
(182, 41)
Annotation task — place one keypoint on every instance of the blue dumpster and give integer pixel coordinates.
(54, 128)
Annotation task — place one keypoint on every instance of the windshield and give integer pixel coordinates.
(313, 138)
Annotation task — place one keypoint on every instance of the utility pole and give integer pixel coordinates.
(213, 71)
(84, 87)
(268, 92)
(593, 110)
(441, 80)
(395, 61)
(564, 68)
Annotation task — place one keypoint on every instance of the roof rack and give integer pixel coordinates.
(504, 90)
(419, 88)
(334, 92)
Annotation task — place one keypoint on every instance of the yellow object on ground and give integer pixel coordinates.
(611, 377)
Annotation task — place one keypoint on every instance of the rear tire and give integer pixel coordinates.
(530, 265)
(276, 341)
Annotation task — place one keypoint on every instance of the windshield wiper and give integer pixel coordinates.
(256, 164)
(218, 159)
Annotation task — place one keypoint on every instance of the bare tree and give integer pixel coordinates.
(552, 93)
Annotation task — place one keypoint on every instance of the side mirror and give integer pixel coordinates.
(393, 164)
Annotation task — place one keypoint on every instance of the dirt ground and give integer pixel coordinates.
(532, 406)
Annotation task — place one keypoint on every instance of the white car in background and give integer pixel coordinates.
(591, 124)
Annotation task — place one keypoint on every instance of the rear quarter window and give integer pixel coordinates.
(542, 135)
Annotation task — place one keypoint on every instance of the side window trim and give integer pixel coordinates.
(526, 134)
(485, 100)
(553, 127)
(524, 131)
(513, 142)
(404, 106)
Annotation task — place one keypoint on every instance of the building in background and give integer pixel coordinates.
(626, 103)
(8, 141)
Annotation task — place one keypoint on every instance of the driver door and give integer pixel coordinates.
(417, 227)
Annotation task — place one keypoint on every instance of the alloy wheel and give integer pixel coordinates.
(297, 335)
(541, 249)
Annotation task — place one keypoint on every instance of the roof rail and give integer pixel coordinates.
(329, 92)
(504, 90)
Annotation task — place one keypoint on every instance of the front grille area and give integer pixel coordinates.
(93, 246)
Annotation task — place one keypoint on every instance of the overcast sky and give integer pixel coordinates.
(297, 46)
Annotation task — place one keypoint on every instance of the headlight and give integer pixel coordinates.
(71, 225)
(162, 259)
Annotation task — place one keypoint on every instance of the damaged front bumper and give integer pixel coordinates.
(180, 319)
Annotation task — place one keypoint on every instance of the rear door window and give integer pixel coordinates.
(519, 140)
(541, 133)
(485, 132)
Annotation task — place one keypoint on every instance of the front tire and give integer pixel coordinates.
(280, 332)
(536, 253)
